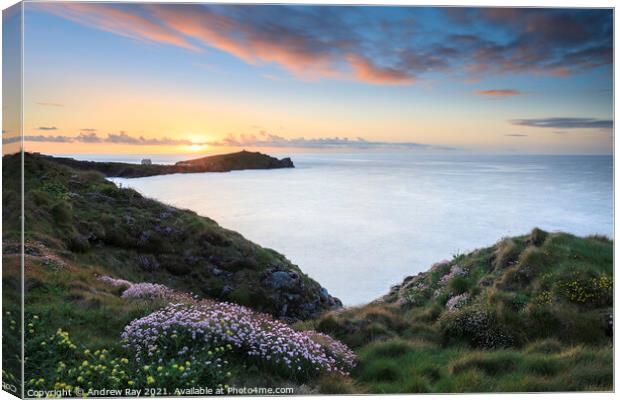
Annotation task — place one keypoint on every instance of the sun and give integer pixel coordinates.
(196, 147)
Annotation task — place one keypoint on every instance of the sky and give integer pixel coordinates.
(191, 78)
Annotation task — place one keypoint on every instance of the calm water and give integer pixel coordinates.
(360, 223)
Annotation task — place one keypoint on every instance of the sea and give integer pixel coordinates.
(360, 223)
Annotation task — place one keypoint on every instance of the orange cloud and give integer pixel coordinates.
(296, 53)
(498, 92)
(364, 70)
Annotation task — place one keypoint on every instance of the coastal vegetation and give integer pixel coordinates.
(125, 292)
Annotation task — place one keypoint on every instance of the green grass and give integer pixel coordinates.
(535, 316)
(396, 367)
(535, 320)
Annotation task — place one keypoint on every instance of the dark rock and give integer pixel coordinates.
(283, 280)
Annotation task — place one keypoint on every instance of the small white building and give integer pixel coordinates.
(146, 161)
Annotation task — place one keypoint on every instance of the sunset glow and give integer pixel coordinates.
(398, 78)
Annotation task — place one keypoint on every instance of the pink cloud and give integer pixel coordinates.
(116, 20)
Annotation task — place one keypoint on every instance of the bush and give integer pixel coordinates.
(459, 285)
(476, 327)
(268, 342)
(580, 288)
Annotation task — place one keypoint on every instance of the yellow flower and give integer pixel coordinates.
(150, 380)
(160, 368)
(130, 383)
(181, 369)
(85, 363)
(146, 367)
(124, 360)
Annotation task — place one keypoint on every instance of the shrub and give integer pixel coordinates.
(455, 271)
(56, 362)
(244, 332)
(581, 289)
(457, 301)
(459, 285)
(417, 296)
(477, 327)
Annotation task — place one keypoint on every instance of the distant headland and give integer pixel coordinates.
(217, 163)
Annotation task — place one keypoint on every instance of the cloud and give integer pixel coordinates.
(270, 140)
(364, 70)
(47, 128)
(516, 135)
(498, 92)
(88, 130)
(118, 19)
(46, 138)
(261, 140)
(113, 138)
(360, 44)
(46, 104)
(565, 123)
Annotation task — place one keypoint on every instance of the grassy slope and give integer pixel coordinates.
(537, 318)
(79, 226)
(539, 303)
